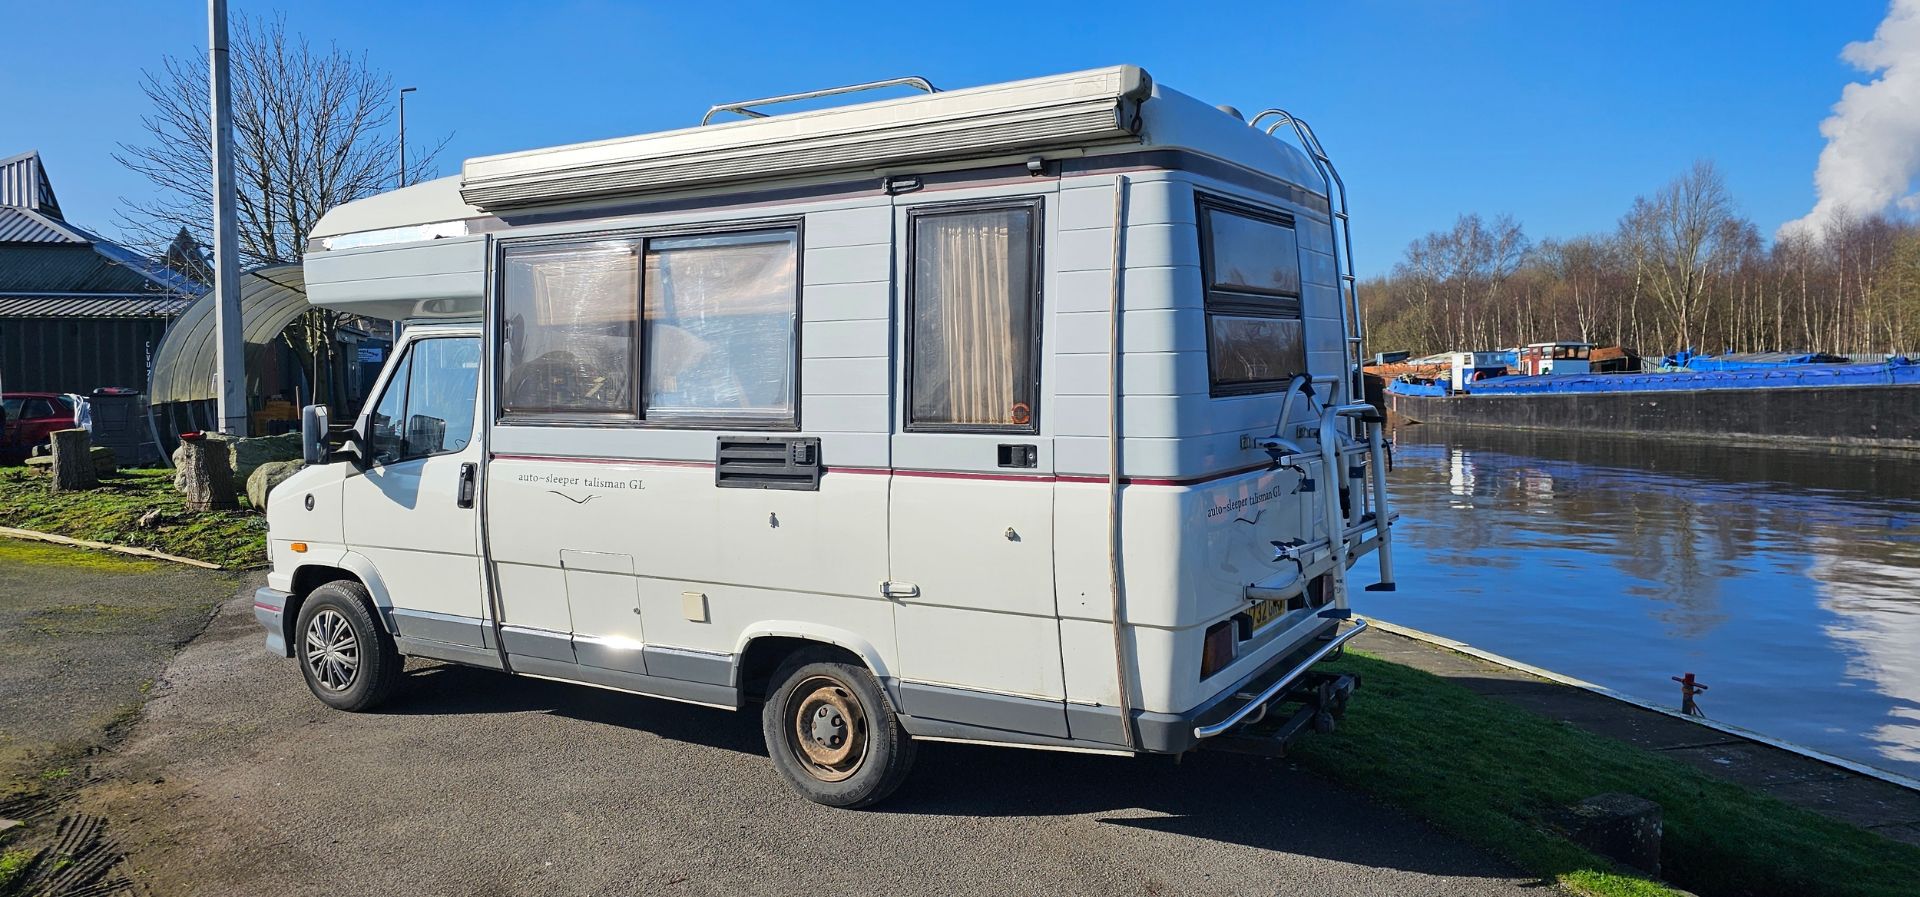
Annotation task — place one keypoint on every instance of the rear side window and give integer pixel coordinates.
(1250, 260)
(973, 318)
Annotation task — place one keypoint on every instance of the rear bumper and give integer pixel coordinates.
(269, 608)
(1242, 709)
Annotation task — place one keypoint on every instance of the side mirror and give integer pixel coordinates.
(313, 434)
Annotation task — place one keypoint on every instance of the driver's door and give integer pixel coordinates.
(411, 508)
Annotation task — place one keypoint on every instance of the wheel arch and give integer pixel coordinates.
(764, 648)
(347, 565)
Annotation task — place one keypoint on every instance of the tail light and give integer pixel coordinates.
(1216, 652)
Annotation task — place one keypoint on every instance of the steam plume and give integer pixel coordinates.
(1873, 136)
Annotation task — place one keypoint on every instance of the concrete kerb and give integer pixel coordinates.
(1858, 768)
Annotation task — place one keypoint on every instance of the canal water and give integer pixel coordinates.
(1788, 580)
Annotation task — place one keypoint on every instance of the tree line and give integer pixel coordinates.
(1682, 269)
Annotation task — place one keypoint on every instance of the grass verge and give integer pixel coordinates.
(111, 513)
(1493, 773)
(13, 865)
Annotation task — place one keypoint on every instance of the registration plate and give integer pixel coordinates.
(1264, 612)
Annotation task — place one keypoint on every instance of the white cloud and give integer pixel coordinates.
(1873, 136)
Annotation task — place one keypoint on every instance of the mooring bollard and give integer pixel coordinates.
(1689, 688)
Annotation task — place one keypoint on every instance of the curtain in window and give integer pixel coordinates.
(972, 353)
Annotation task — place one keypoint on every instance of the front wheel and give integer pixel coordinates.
(833, 735)
(349, 661)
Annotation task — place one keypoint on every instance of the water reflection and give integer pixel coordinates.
(1788, 579)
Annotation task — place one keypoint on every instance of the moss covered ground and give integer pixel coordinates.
(112, 512)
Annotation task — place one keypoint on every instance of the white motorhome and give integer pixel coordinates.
(1025, 414)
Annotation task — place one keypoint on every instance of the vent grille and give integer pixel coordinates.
(768, 462)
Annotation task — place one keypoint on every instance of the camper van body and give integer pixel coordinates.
(629, 518)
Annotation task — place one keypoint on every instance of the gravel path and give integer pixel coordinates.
(473, 783)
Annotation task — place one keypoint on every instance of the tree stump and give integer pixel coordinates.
(205, 475)
(73, 461)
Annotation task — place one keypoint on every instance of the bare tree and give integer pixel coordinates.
(312, 130)
(1679, 238)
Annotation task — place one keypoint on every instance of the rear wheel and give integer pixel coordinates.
(350, 663)
(833, 735)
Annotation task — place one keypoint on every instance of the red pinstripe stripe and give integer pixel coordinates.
(905, 472)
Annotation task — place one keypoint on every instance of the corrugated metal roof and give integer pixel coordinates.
(93, 266)
(65, 268)
(151, 268)
(93, 305)
(24, 184)
(28, 226)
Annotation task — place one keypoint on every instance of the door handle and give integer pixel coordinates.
(469, 473)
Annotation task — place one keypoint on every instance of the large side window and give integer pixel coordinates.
(684, 330)
(571, 316)
(720, 314)
(428, 406)
(973, 362)
(1250, 260)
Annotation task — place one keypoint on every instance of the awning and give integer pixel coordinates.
(271, 297)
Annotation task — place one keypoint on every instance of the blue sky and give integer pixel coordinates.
(1556, 112)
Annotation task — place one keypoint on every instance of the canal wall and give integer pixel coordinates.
(1881, 416)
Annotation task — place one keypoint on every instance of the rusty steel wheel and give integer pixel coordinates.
(828, 730)
(832, 732)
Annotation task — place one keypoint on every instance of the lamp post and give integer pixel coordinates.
(403, 133)
(230, 362)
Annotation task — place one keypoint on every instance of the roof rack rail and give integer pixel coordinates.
(743, 107)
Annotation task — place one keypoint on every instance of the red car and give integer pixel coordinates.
(31, 418)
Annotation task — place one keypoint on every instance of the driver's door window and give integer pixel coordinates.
(384, 438)
(428, 406)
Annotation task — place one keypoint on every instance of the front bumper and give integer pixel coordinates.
(269, 607)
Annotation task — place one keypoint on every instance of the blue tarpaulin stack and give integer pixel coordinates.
(1898, 371)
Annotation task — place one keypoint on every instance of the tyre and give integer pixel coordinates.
(833, 735)
(349, 661)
